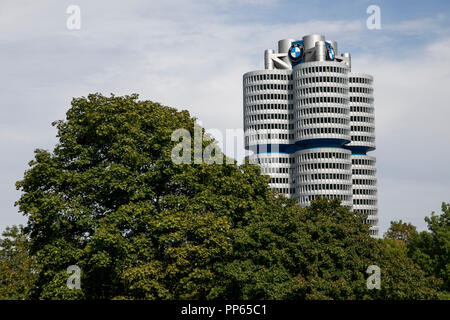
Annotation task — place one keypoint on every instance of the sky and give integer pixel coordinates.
(192, 55)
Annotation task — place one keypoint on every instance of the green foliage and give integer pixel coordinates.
(109, 199)
(17, 268)
(400, 231)
(431, 250)
(319, 252)
(401, 278)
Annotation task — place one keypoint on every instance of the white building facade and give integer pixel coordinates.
(309, 122)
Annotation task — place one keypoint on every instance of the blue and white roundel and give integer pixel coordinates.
(295, 52)
(330, 53)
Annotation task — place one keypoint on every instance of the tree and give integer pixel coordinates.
(319, 252)
(17, 268)
(431, 249)
(110, 200)
(401, 277)
(400, 231)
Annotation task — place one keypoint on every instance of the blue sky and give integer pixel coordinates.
(192, 54)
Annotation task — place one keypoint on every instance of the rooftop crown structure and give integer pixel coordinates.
(309, 121)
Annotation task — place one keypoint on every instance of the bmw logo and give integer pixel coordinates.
(330, 53)
(296, 52)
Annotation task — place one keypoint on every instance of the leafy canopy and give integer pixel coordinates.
(400, 231)
(431, 249)
(17, 268)
(110, 200)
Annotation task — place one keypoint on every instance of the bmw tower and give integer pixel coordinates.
(309, 123)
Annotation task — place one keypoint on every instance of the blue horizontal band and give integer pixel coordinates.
(359, 150)
(300, 145)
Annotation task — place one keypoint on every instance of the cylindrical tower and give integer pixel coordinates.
(322, 128)
(362, 130)
(364, 184)
(323, 171)
(362, 119)
(278, 166)
(309, 122)
(268, 108)
(321, 109)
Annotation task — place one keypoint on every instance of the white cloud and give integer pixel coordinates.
(11, 135)
(419, 26)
